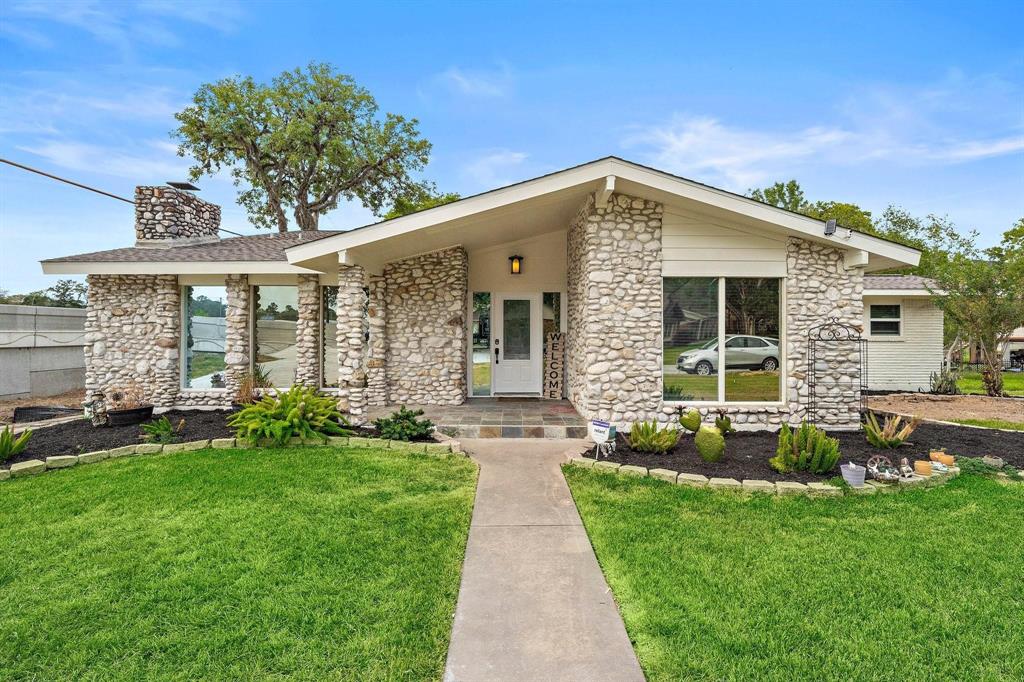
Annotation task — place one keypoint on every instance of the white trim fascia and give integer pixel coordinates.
(592, 173)
(174, 268)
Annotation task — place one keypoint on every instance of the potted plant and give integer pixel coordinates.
(853, 474)
(127, 406)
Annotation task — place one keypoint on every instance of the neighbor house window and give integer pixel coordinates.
(481, 343)
(885, 320)
(329, 336)
(752, 350)
(690, 338)
(203, 319)
(696, 310)
(275, 315)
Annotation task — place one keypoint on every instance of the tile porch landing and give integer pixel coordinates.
(501, 418)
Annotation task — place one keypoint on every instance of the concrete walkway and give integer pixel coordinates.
(533, 604)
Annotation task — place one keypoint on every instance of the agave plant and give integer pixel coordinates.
(890, 435)
(647, 437)
(9, 445)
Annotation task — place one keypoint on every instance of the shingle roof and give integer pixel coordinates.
(898, 282)
(257, 247)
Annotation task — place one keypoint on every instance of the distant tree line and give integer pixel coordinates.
(66, 293)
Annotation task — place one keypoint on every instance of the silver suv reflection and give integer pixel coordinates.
(741, 352)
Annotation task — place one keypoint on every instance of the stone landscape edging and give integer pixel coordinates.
(33, 467)
(782, 488)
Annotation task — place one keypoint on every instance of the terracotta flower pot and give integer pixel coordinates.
(923, 467)
(939, 456)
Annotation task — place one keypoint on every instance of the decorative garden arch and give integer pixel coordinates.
(837, 370)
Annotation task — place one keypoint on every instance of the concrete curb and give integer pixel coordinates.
(751, 486)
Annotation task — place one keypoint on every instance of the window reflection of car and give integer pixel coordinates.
(741, 352)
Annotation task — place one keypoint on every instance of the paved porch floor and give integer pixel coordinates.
(501, 418)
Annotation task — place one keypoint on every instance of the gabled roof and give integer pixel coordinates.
(256, 248)
(450, 223)
(899, 285)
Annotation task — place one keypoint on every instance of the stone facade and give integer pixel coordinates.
(165, 213)
(307, 332)
(614, 310)
(351, 346)
(425, 326)
(237, 332)
(376, 354)
(132, 335)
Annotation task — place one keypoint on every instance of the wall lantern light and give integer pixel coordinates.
(515, 264)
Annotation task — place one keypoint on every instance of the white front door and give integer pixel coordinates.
(516, 344)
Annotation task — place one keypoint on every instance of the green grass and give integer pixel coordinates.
(1013, 383)
(924, 584)
(672, 353)
(992, 423)
(205, 362)
(234, 564)
(739, 386)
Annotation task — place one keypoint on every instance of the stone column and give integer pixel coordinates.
(351, 342)
(237, 332)
(307, 332)
(376, 371)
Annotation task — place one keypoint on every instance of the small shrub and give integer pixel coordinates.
(890, 435)
(944, 382)
(11, 446)
(647, 437)
(690, 421)
(724, 424)
(161, 431)
(806, 449)
(710, 443)
(404, 425)
(256, 378)
(299, 412)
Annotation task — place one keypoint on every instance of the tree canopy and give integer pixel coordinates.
(66, 293)
(307, 140)
(406, 205)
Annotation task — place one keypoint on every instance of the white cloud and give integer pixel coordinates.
(908, 127)
(480, 83)
(157, 166)
(494, 168)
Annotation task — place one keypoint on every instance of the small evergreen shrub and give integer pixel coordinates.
(161, 431)
(404, 424)
(11, 446)
(690, 421)
(806, 449)
(299, 412)
(647, 437)
(710, 443)
(944, 382)
(890, 435)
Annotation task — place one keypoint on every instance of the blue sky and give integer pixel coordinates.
(915, 104)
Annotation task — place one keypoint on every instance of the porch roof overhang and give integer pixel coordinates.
(548, 203)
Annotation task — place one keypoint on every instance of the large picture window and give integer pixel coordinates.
(276, 315)
(697, 310)
(203, 314)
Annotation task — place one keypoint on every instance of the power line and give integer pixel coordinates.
(91, 189)
(70, 182)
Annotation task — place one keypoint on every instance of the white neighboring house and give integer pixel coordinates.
(1013, 347)
(903, 327)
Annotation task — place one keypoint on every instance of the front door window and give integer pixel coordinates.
(516, 327)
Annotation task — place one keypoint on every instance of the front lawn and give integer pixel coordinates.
(1013, 383)
(992, 424)
(234, 564)
(923, 584)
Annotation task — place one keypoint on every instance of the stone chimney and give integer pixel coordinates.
(165, 217)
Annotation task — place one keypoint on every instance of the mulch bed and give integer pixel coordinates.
(77, 437)
(747, 452)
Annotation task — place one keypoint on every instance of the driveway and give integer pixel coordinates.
(533, 604)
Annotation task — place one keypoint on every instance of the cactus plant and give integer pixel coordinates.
(690, 421)
(723, 423)
(806, 449)
(710, 443)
